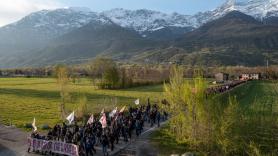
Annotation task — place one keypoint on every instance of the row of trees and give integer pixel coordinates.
(107, 74)
(138, 73)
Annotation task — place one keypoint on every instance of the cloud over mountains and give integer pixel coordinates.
(13, 10)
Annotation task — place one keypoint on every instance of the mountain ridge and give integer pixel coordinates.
(143, 35)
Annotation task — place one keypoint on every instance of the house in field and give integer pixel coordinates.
(252, 76)
(221, 77)
(244, 77)
(255, 76)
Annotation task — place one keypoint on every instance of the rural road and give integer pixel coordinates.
(13, 142)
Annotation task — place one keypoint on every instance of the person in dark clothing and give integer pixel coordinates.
(152, 117)
(112, 140)
(50, 135)
(105, 144)
(158, 118)
(124, 132)
(130, 128)
(138, 128)
(88, 146)
(93, 141)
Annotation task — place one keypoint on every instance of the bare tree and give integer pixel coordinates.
(62, 81)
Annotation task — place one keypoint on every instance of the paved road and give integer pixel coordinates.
(13, 143)
(140, 146)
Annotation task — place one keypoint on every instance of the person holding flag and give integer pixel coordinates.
(103, 121)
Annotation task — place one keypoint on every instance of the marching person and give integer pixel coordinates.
(105, 144)
(158, 118)
(88, 146)
(112, 140)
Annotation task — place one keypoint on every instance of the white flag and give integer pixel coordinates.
(91, 119)
(137, 102)
(122, 110)
(102, 120)
(113, 113)
(34, 125)
(102, 111)
(70, 118)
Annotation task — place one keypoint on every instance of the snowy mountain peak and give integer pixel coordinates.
(141, 20)
(146, 20)
(256, 8)
(53, 23)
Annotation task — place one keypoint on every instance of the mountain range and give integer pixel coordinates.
(241, 32)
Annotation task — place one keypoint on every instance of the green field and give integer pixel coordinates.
(22, 99)
(255, 95)
(258, 102)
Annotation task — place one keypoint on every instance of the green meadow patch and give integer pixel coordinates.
(22, 99)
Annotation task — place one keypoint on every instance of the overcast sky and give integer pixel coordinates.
(13, 10)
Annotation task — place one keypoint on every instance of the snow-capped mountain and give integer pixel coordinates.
(53, 23)
(37, 29)
(150, 21)
(57, 22)
(147, 20)
(259, 9)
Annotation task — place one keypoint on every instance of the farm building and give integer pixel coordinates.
(252, 76)
(221, 77)
(244, 76)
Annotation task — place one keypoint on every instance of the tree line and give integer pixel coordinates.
(123, 75)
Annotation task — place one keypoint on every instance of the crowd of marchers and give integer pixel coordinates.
(105, 132)
(225, 87)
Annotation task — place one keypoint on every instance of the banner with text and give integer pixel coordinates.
(53, 146)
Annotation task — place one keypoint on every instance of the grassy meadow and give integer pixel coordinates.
(22, 99)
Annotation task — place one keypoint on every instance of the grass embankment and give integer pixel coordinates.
(22, 99)
(258, 102)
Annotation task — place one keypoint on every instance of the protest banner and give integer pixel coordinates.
(57, 147)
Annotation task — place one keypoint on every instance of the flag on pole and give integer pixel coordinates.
(91, 119)
(70, 118)
(34, 125)
(102, 120)
(122, 110)
(137, 102)
(113, 113)
(102, 111)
